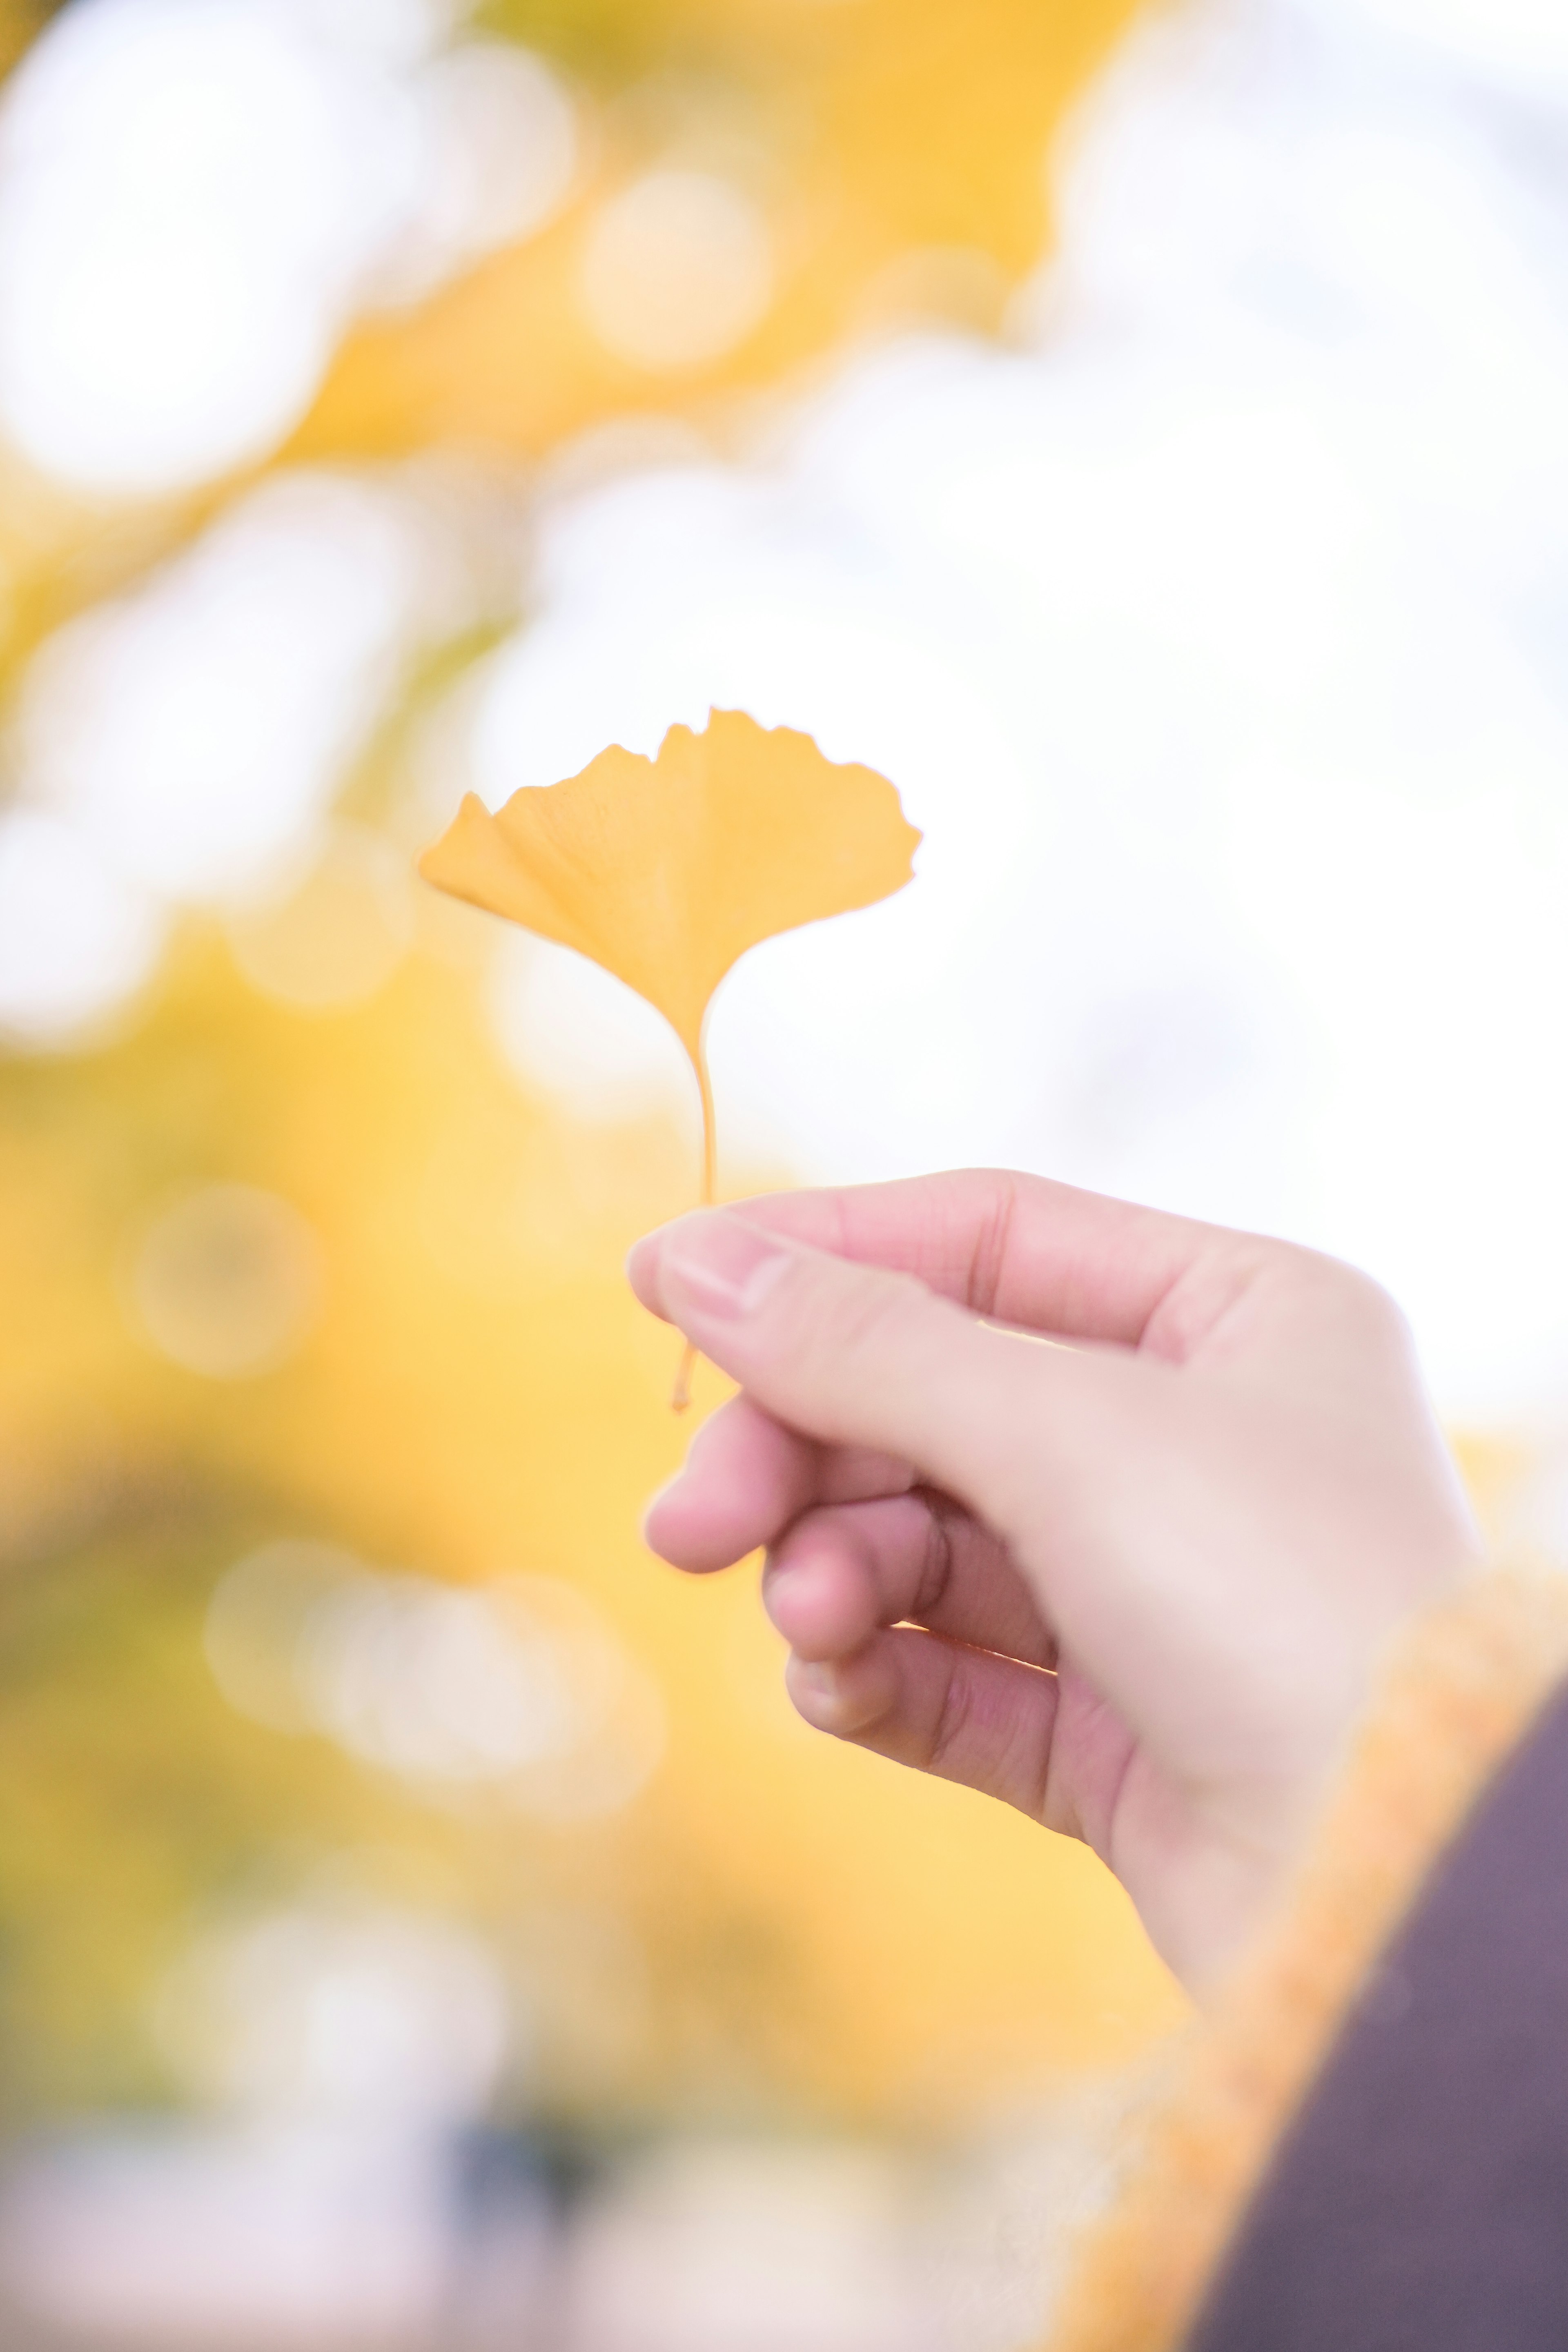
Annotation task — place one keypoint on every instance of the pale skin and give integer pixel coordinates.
(1137, 1582)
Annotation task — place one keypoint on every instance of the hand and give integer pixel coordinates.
(1132, 1574)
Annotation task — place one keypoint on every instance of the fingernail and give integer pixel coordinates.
(815, 1692)
(814, 1678)
(724, 1266)
(653, 1503)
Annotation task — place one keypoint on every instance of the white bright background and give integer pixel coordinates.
(1215, 631)
(1219, 641)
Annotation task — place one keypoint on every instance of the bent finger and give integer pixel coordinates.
(746, 1478)
(840, 1573)
(963, 1715)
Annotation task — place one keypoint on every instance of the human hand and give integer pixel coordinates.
(1134, 1582)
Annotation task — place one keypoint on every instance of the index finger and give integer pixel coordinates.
(1021, 1249)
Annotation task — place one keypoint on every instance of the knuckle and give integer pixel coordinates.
(936, 1569)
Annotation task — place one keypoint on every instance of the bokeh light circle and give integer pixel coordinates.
(501, 149)
(76, 938)
(227, 1281)
(197, 725)
(335, 939)
(189, 193)
(361, 2012)
(676, 270)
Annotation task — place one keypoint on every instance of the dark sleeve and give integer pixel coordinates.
(1418, 2200)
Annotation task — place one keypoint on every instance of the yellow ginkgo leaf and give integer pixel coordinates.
(666, 871)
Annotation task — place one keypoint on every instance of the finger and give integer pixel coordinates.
(743, 1473)
(852, 1355)
(984, 1721)
(838, 1574)
(1030, 1252)
(746, 1478)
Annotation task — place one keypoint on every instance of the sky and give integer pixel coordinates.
(1213, 625)
(1217, 636)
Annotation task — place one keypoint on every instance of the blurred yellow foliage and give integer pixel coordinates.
(479, 1396)
(773, 1923)
(868, 131)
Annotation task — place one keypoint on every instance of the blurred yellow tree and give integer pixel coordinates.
(474, 1393)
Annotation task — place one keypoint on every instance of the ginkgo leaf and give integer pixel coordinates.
(665, 871)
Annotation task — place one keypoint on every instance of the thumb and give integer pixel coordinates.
(854, 1355)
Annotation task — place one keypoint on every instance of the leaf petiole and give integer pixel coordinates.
(680, 1395)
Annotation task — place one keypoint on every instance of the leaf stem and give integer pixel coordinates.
(680, 1395)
